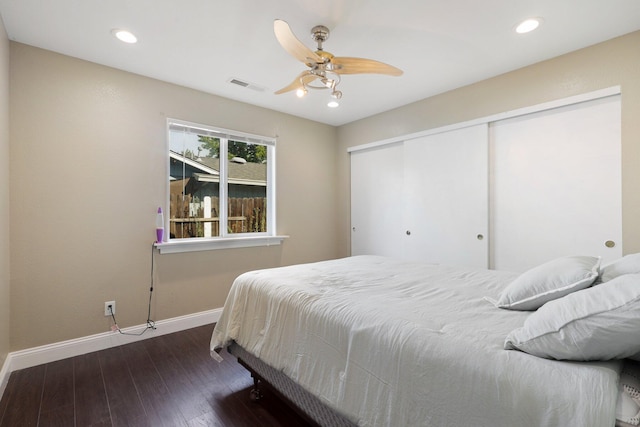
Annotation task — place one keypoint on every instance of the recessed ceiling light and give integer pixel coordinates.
(124, 35)
(528, 25)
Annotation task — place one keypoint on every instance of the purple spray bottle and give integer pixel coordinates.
(159, 226)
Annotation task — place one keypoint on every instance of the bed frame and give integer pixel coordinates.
(307, 405)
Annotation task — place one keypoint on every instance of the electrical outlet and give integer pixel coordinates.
(109, 308)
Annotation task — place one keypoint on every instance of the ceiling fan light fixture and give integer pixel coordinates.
(329, 83)
(335, 96)
(301, 92)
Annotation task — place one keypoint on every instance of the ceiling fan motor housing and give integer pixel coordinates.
(320, 34)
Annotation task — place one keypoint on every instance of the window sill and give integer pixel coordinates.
(207, 244)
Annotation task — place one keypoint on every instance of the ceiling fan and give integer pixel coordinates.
(324, 69)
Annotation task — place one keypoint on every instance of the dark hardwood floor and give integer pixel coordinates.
(168, 380)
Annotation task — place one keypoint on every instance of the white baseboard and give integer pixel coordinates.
(61, 350)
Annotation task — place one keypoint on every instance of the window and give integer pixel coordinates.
(221, 188)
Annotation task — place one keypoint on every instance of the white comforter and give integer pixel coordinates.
(391, 343)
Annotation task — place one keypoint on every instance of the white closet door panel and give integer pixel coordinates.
(376, 205)
(446, 182)
(556, 185)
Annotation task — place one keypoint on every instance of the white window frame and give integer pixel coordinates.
(224, 240)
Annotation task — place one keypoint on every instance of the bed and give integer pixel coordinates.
(375, 341)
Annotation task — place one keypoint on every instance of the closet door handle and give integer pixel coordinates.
(408, 232)
(609, 243)
(480, 237)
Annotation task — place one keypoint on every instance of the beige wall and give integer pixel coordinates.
(88, 173)
(613, 63)
(4, 194)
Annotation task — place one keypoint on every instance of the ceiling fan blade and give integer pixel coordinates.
(291, 44)
(305, 77)
(346, 65)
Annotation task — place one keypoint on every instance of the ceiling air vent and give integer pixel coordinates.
(239, 82)
(246, 84)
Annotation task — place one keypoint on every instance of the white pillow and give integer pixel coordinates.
(628, 264)
(549, 281)
(599, 323)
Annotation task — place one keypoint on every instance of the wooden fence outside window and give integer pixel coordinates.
(191, 217)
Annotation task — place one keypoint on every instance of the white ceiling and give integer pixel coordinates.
(202, 44)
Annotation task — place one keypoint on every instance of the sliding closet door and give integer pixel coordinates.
(445, 193)
(376, 205)
(556, 185)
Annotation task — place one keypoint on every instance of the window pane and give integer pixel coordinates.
(213, 198)
(247, 184)
(194, 182)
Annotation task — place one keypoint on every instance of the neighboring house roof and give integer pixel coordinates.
(239, 173)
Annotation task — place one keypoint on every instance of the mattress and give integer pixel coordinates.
(392, 343)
